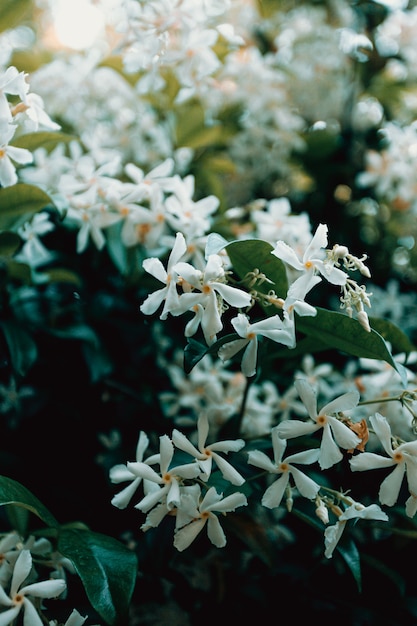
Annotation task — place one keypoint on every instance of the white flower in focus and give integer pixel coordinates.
(312, 259)
(167, 276)
(205, 454)
(19, 595)
(168, 481)
(8, 154)
(307, 487)
(208, 288)
(281, 331)
(204, 512)
(403, 458)
(335, 433)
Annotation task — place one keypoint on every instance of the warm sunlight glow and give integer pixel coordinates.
(77, 23)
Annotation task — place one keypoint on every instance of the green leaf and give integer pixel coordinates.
(22, 349)
(42, 139)
(13, 493)
(12, 12)
(250, 254)
(350, 554)
(107, 569)
(9, 243)
(194, 351)
(390, 332)
(22, 199)
(339, 331)
(192, 130)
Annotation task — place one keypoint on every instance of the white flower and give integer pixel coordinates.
(212, 290)
(75, 619)
(403, 458)
(307, 487)
(335, 433)
(168, 277)
(205, 455)
(167, 481)
(121, 473)
(272, 327)
(19, 596)
(204, 513)
(312, 260)
(8, 154)
(356, 510)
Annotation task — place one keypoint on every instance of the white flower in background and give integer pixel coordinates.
(207, 454)
(204, 512)
(33, 251)
(403, 458)
(75, 619)
(335, 433)
(20, 597)
(284, 468)
(121, 473)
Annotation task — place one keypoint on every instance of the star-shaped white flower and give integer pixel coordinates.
(19, 594)
(403, 458)
(312, 259)
(284, 468)
(198, 514)
(167, 276)
(167, 481)
(205, 455)
(335, 433)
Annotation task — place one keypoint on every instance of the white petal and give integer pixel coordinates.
(215, 532)
(184, 537)
(275, 492)
(391, 485)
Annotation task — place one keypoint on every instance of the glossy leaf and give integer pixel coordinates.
(107, 569)
(13, 493)
(250, 254)
(338, 331)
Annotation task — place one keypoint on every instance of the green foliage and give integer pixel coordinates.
(106, 567)
(107, 570)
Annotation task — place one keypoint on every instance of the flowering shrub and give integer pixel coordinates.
(208, 335)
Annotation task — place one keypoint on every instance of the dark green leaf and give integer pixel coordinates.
(13, 493)
(350, 554)
(9, 243)
(107, 569)
(339, 331)
(250, 254)
(22, 348)
(193, 353)
(390, 332)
